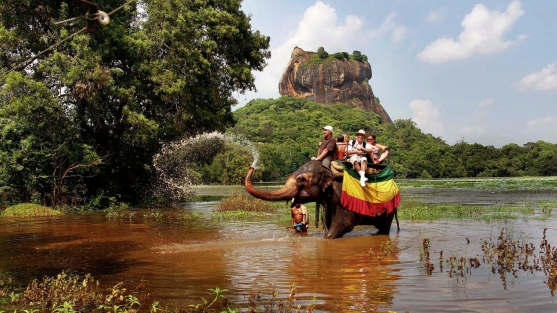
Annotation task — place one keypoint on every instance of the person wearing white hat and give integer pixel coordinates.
(327, 147)
(358, 157)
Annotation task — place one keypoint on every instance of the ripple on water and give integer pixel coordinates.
(181, 261)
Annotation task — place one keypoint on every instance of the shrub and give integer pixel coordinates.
(322, 53)
(71, 293)
(240, 202)
(357, 55)
(29, 210)
(339, 56)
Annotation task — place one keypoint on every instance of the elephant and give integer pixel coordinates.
(314, 183)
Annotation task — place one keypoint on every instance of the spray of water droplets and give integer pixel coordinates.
(173, 162)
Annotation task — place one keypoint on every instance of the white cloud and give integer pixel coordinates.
(481, 112)
(486, 102)
(435, 16)
(427, 117)
(543, 121)
(321, 26)
(389, 26)
(399, 34)
(483, 34)
(544, 80)
(473, 129)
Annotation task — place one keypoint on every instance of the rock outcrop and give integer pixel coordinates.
(330, 81)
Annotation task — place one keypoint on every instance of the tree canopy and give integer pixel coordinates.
(287, 132)
(84, 118)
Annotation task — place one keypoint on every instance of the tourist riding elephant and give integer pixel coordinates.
(314, 183)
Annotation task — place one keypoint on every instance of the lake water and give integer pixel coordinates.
(182, 259)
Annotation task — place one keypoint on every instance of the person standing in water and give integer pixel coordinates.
(300, 220)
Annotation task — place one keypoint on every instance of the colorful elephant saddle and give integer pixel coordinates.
(381, 193)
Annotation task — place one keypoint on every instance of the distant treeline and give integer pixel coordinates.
(286, 132)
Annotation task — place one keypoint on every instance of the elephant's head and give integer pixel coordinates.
(307, 184)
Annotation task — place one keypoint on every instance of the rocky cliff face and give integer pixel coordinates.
(330, 81)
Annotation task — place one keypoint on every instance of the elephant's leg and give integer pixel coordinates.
(384, 222)
(343, 221)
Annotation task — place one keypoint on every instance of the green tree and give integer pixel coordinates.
(339, 56)
(322, 53)
(41, 155)
(138, 82)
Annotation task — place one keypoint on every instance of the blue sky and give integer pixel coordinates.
(482, 72)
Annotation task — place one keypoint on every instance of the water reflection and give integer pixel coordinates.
(181, 259)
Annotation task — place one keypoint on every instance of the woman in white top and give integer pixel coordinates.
(373, 149)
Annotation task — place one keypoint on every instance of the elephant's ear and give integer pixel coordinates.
(327, 179)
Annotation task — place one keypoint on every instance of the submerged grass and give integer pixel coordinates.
(499, 183)
(29, 210)
(506, 256)
(459, 211)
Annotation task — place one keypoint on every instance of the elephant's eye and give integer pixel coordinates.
(301, 179)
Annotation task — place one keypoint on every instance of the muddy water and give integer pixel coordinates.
(182, 259)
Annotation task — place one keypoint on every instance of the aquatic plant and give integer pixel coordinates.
(230, 215)
(459, 211)
(241, 202)
(192, 216)
(6, 287)
(499, 183)
(504, 256)
(153, 214)
(259, 302)
(29, 210)
(68, 293)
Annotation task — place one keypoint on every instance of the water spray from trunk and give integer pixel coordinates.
(175, 161)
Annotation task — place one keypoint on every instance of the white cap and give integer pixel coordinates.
(329, 128)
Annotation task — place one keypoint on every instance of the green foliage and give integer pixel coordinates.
(229, 167)
(67, 293)
(287, 131)
(488, 214)
(358, 56)
(29, 210)
(322, 53)
(339, 56)
(322, 56)
(72, 293)
(86, 117)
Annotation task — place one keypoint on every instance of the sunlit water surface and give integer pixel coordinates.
(182, 259)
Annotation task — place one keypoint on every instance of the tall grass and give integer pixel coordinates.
(240, 202)
(29, 210)
(499, 183)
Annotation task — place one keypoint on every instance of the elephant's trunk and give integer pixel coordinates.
(285, 193)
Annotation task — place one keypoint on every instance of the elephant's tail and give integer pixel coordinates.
(396, 218)
(317, 215)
